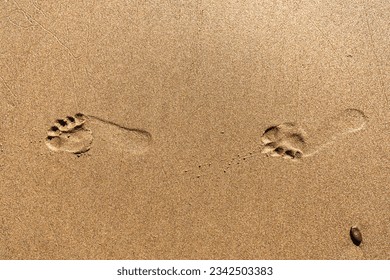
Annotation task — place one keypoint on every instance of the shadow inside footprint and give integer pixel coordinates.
(70, 135)
(285, 140)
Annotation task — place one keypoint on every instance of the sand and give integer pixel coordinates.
(194, 130)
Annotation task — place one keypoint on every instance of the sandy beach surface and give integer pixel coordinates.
(194, 129)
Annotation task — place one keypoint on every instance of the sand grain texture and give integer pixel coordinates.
(204, 130)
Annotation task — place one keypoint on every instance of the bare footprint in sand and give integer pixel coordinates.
(75, 134)
(292, 141)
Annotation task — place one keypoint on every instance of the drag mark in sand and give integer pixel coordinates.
(73, 134)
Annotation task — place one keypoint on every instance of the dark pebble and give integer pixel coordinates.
(356, 236)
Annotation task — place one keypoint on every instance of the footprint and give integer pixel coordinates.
(285, 140)
(70, 135)
(73, 134)
(291, 141)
